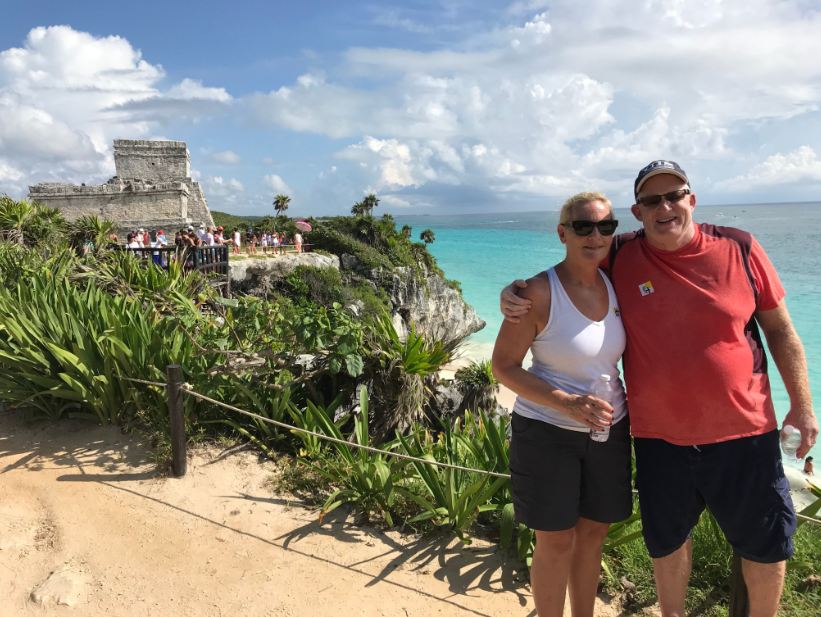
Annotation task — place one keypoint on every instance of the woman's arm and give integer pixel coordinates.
(511, 346)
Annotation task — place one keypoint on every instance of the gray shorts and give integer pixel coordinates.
(558, 475)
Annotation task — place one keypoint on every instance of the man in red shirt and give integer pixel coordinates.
(692, 298)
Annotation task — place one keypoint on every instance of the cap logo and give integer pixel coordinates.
(646, 288)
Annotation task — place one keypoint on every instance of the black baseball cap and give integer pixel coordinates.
(654, 169)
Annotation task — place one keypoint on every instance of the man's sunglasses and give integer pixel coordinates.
(672, 197)
(606, 227)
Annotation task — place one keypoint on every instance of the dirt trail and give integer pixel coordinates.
(86, 503)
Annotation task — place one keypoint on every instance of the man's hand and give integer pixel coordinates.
(806, 422)
(511, 305)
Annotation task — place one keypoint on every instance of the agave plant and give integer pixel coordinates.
(171, 291)
(365, 479)
(66, 348)
(451, 497)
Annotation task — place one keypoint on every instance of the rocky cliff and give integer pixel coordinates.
(432, 305)
(424, 299)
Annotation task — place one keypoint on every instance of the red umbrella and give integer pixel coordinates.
(303, 225)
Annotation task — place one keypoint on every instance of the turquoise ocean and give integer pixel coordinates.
(486, 251)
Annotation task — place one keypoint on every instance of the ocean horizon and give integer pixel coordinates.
(485, 251)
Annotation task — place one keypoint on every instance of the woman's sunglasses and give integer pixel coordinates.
(606, 227)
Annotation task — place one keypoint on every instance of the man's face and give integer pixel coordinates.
(668, 225)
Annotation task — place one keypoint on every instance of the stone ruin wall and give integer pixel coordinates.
(160, 161)
(152, 189)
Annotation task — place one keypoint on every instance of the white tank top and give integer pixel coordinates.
(572, 352)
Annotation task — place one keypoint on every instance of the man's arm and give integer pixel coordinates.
(788, 353)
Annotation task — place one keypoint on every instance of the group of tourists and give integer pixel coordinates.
(683, 305)
(273, 241)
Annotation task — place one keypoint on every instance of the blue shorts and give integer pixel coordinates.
(740, 481)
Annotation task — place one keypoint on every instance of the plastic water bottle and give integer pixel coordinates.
(790, 440)
(603, 389)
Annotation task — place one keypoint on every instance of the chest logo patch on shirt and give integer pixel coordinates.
(646, 288)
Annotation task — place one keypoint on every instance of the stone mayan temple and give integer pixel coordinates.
(152, 189)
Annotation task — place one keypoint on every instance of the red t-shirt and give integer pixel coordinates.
(694, 364)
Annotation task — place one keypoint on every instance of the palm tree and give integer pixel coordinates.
(406, 231)
(358, 209)
(281, 204)
(369, 203)
(427, 236)
(14, 216)
(26, 223)
(478, 386)
(90, 229)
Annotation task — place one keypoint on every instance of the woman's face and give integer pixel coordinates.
(595, 246)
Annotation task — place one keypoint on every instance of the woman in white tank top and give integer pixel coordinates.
(566, 486)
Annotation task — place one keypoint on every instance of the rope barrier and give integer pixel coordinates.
(808, 519)
(186, 389)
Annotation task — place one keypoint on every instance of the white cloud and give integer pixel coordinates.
(220, 184)
(65, 95)
(226, 157)
(192, 89)
(582, 92)
(277, 184)
(801, 166)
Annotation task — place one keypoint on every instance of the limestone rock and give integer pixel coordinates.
(435, 308)
(64, 586)
(424, 299)
(255, 275)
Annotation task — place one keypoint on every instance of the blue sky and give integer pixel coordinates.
(442, 106)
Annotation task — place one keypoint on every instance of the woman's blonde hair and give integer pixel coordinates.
(581, 199)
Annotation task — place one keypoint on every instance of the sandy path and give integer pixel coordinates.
(217, 542)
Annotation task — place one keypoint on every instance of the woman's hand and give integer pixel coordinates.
(589, 410)
(512, 305)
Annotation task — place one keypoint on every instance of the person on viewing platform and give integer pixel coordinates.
(808, 467)
(693, 297)
(131, 241)
(566, 486)
(298, 242)
(236, 241)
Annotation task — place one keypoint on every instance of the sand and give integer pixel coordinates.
(88, 527)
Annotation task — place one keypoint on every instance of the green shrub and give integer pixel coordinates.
(321, 286)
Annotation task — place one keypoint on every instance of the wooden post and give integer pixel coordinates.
(173, 389)
(739, 601)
